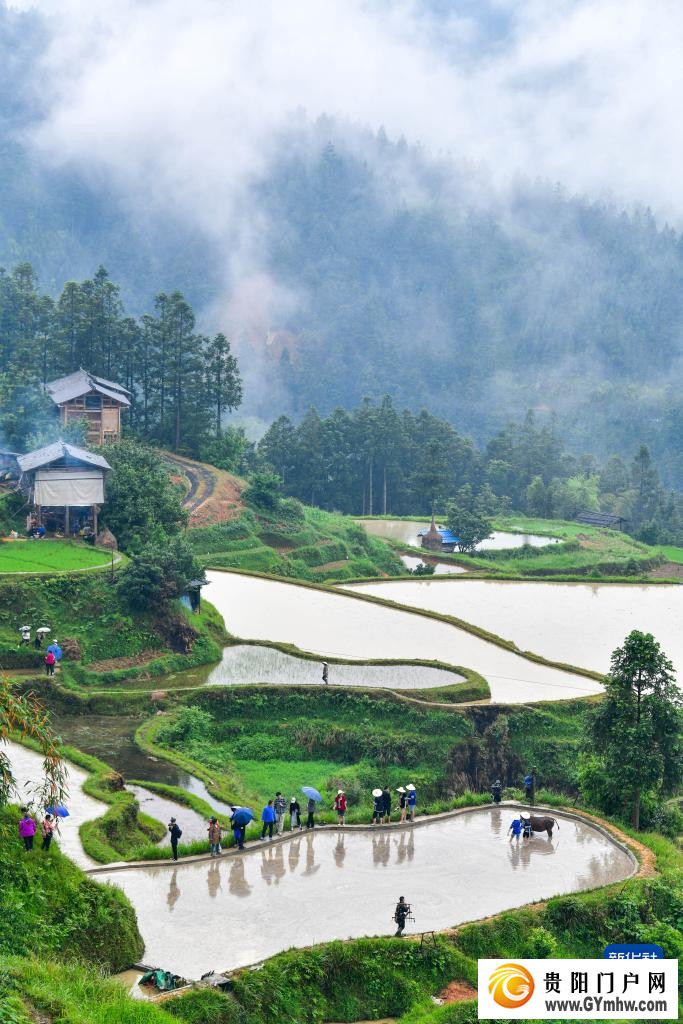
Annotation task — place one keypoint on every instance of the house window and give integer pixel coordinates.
(93, 402)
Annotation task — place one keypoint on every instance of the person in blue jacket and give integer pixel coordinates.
(412, 801)
(268, 819)
(515, 829)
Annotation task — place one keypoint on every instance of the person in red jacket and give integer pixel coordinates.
(340, 806)
(50, 663)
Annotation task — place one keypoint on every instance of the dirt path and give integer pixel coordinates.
(214, 495)
(668, 571)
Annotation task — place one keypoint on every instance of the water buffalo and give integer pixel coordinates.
(543, 823)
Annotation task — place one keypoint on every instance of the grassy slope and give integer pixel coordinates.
(48, 906)
(259, 740)
(87, 608)
(297, 542)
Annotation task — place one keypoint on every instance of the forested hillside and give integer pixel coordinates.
(402, 274)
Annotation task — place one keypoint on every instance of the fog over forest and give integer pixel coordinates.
(446, 203)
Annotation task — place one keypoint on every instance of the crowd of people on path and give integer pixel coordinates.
(28, 828)
(274, 816)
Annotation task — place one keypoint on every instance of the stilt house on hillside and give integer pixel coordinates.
(82, 395)
(65, 486)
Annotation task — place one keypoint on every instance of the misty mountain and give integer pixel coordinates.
(395, 272)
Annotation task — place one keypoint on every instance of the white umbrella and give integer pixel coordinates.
(377, 792)
(43, 629)
(22, 628)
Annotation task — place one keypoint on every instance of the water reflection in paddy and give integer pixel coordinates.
(245, 663)
(440, 568)
(578, 623)
(239, 910)
(333, 624)
(406, 532)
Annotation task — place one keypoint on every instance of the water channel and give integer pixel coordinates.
(406, 532)
(577, 623)
(237, 910)
(337, 625)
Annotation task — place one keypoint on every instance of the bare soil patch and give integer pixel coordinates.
(457, 992)
(109, 664)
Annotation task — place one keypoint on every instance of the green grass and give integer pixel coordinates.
(50, 556)
(296, 542)
(49, 907)
(254, 741)
(672, 554)
(86, 609)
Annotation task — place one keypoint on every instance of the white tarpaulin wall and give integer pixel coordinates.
(69, 487)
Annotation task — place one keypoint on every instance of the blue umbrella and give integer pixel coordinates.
(60, 810)
(56, 650)
(242, 816)
(311, 793)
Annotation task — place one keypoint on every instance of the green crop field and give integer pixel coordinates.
(48, 556)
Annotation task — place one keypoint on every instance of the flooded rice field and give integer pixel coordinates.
(336, 625)
(240, 909)
(440, 568)
(246, 663)
(577, 623)
(406, 531)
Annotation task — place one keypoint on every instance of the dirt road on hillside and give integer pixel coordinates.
(213, 496)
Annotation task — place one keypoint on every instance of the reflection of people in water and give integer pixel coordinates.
(173, 890)
(401, 850)
(294, 853)
(213, 879)
(272, 864)
(381, 849)
(237, 882)
(339, 852)
(411, 846)
(496, 820)
(311, 866)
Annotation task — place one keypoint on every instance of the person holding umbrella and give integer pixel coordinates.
(314, 798)
(240, 818)
(40, 636)
(47, 828)
(25, 636)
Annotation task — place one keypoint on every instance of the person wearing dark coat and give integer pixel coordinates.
(386, 806)
(400, 915)
(310, 807)
(176, 833)
(497, 791)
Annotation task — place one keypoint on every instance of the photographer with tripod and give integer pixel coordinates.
(401, 914)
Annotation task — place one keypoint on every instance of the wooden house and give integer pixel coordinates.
(65, 487)
(82, 395)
